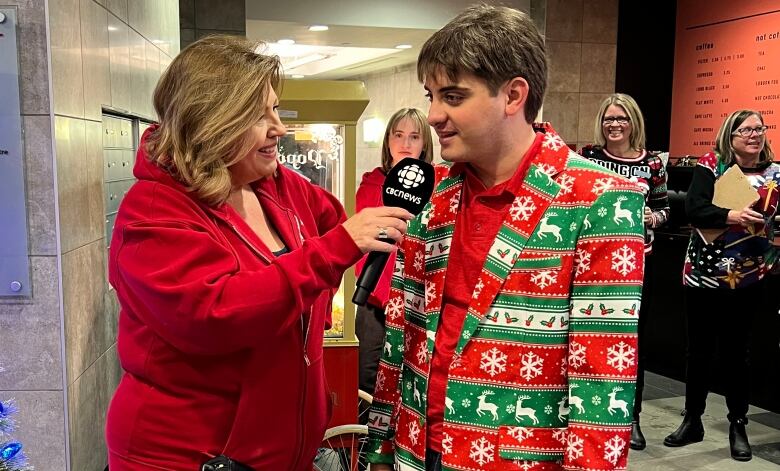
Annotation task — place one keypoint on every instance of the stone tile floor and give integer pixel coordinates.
(664, 399)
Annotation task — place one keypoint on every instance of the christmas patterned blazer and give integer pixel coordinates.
(543, 376)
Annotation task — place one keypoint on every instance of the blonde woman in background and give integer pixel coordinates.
(619, 138)
(407, 135)
(723, 278)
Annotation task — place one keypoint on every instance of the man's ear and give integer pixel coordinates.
(516, 90)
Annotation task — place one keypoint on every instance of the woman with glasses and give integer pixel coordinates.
(620, 146)
(723, 276)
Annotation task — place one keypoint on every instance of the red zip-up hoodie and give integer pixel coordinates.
(369, 195)
(221, 341)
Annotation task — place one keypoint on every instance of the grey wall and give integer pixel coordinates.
(58, 352)
(31, 366)
(111, 57)
(199, 18)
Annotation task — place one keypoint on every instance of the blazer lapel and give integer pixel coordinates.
(538, 190)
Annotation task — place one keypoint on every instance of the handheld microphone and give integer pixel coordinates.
(408, 185)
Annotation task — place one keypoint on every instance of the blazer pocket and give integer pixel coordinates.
(549, 262)
(531, 443)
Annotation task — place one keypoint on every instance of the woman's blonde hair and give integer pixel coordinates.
(207, 100)
(637, 138)
(723, 146)
(421, 122)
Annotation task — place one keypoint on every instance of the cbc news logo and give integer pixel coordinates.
(411, 176)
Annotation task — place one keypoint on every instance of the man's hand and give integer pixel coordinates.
(381, 467)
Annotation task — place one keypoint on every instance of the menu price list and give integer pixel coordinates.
(732, 64)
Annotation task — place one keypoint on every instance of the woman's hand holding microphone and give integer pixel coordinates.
(372, 224)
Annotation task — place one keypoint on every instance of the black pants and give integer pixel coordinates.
(718, 321)
(644, 311)
(370, 331)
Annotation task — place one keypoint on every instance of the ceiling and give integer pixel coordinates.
(362, 34)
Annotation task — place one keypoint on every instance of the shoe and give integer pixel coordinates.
(738, 440)
(691, 430)
(637, 439)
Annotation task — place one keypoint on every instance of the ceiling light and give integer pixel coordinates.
(286, 42)
(304, 60)
(297, 76)
(404, 46)
(318, 28)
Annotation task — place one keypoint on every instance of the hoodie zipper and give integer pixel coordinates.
(251, 246)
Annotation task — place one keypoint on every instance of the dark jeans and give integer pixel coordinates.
(432, 460)
(718, 321)
(644, 311)
(370, 331)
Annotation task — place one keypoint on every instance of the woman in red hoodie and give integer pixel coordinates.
(407, 135)
(225, 264)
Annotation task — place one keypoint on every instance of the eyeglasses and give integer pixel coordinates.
(747, 132)
(621, 120)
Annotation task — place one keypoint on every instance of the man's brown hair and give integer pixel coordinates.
(494, 43)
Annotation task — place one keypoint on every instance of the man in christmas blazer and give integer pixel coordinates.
(543, 374)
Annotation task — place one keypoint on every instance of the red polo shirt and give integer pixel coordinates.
(481, 214)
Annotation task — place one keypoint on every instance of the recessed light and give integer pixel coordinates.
(286, 42)
(404, 46)
(318, 28)
(297, 76)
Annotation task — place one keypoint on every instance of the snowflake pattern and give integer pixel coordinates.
(559, 434)
(532, 365)
(466, 402)
(422, 352)
(566, 183)
(493, 362)
(520, 433)
(544, 278)
(481, 451)
(596, 400)
(454, 202)
(418, 261)
(613, 449)
(577, 353)
(574, 447)
(414, 432)
(572, 227)
(581, 261)
(602, 211)
(478, 289)
(546, 169)
(621, 356)
(510, 408)
(522, 208)
(526, 465)
(602, 184)
(394, 307)
(430, 292)
(446, 444)
(553, 142)
(548, 409)
(623, 260)
(380, 379)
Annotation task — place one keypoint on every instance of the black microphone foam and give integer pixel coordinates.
(408, 185)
